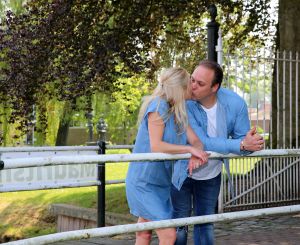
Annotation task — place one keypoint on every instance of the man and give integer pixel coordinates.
(219, 117)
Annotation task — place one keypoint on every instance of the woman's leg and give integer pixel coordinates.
(166, 236)
(143, 237)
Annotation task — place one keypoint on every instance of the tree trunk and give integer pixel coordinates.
(286, 78)
(4, 129)
(64, 123)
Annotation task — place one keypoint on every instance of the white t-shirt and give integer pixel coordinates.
(213, 167)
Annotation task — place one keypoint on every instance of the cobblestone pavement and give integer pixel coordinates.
(269, 230)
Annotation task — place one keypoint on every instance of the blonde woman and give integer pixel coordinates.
(163, 128)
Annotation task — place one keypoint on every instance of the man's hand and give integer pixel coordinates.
(253, 141)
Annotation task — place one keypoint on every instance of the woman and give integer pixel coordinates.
(163, 128)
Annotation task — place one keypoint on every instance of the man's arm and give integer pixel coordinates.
(216, 144)
(251, 141)
(243, 139)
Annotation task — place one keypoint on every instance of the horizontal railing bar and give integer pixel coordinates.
(48, 148)
(116, 181)
(119, 146)
(45, 186)
(38, 186)
(60, 148)
(121, 229)
(88, 159)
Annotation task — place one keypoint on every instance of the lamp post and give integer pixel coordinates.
(212, 33)
(101, 128)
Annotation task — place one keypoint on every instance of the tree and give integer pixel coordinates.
(67, 49)
(284, 102)
(7, 132)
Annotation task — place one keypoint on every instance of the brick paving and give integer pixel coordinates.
(269, 230)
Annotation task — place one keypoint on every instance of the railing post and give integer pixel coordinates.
(101, 128)
(212, 34)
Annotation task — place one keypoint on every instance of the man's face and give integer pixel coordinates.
(200, 84)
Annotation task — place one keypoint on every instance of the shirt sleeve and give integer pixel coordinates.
(216, 144)
(158, 105)
(242, 123)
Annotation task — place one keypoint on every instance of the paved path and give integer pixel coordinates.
(270, 230)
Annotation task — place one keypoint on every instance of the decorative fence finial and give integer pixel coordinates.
(212, 9)
(212, 33)
(101, 128)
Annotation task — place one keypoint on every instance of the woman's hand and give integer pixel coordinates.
(198, 159)
(202, 155)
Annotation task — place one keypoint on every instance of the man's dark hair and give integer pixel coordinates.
(218, 78)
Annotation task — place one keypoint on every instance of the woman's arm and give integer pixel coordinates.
(193, 139)
(156, 129)
(195, 162)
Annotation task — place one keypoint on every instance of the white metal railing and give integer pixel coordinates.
(121, 229)
(264, 182)
(50, 177)
(50, 185)
(30, 149)
(86, 159)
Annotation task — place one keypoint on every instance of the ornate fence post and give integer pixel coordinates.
(212, 34)
(89, 117)
(101, 128)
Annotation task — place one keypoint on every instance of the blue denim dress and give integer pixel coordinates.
(148, 184)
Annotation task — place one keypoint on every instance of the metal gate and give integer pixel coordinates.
(263, 77)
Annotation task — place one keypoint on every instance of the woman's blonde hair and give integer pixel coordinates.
(172, 86)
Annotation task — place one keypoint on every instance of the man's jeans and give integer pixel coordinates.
(205, 196)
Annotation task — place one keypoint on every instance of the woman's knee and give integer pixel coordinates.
(166, 236)
(145, 235)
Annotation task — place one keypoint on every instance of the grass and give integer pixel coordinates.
(25, 214)
(242, 165)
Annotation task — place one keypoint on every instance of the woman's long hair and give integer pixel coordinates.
(172, 86)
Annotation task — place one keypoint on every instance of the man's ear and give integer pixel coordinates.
(215, 87)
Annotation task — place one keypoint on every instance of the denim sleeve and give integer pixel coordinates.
(158, 105)
(242, 123)
(217, 144)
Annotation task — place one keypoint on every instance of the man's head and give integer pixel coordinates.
(205, 82)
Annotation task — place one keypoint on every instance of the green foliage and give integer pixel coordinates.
(120, 109)
(15, 6)
(72, 49)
